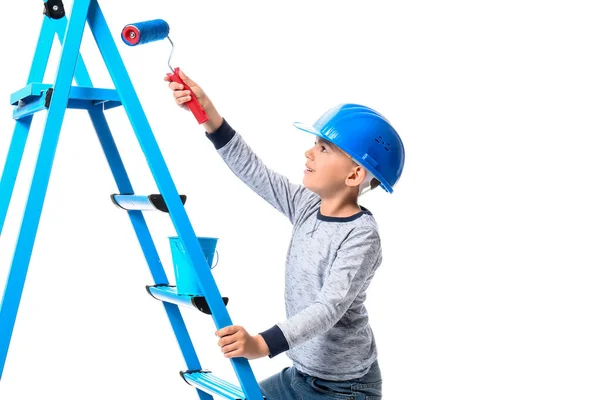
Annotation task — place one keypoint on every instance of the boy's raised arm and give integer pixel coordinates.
(275, 188)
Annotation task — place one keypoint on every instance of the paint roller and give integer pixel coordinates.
(152, 31)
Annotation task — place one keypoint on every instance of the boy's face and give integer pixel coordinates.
(329, 170)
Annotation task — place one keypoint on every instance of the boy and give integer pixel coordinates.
(333, 254)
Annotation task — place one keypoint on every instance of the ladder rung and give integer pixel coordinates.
(37, 96)
(29, 92)
(168, 293)
(208, 382)
(138, 202)
(87, 97)
(31, 99)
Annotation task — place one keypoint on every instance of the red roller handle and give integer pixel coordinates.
(193, 104)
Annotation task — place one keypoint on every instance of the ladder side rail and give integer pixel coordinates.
(119, 172)
(158, 167)
(41, 176)
(21, 132)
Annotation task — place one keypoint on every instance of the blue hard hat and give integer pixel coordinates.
(366, 136)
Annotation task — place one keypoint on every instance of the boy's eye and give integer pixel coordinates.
(323, 149)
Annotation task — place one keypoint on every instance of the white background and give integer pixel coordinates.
(490, 283)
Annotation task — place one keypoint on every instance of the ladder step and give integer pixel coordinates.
(32, 98)
(29, 92)
(138, 202)
(168, 293)
(37, 96)
(208, 382)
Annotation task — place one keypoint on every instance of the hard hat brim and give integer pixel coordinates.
(308, 128)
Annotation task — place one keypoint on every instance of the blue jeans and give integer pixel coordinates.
(291, 384)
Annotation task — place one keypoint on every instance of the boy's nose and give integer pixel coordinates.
(308, 153)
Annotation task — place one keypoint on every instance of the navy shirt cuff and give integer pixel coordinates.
(275, 340)
(222, 135)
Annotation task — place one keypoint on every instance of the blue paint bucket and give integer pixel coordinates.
(185, 276)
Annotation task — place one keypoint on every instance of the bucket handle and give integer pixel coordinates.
(182, 250)
(217, 262)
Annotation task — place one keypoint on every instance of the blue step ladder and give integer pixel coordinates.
(37, 96)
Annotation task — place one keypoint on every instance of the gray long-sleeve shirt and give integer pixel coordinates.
(329, 266)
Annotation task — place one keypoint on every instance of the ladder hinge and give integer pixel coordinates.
(48, 97)
(54, 9)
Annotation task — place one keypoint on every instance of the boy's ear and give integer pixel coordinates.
(356, 176)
